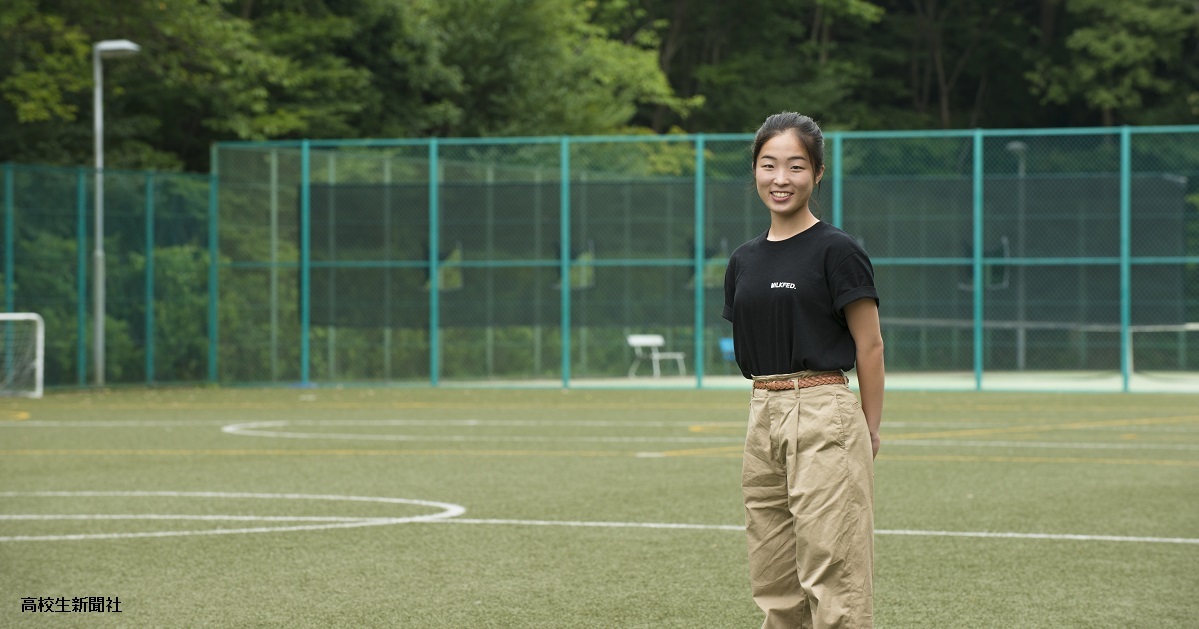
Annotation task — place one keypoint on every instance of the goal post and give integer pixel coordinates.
(22, 354)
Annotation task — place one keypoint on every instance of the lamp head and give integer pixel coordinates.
(116, 48)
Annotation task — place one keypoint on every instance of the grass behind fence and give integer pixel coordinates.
(572, 504)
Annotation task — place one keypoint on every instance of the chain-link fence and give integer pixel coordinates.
(156, 258)
(534, 259)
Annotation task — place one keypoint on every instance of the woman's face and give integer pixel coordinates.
(784, 175)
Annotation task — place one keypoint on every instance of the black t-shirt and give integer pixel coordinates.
(786, 300)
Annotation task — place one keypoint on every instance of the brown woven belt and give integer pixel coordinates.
(831, 377)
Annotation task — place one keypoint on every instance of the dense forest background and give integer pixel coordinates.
(231, 70)
(216, 70)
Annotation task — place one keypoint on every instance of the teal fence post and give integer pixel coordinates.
(1125, 257)
(149, 277)
(214, 260)
(81, 275)
(10, 207)
(305, 257)
(434, 265)
(564, 254)
(978, 259)
(701, 261)
(274, 280)
(9, 257)
(838, 207)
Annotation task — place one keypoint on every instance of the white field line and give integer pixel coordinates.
(1062, 445)
(190, 518)
(448, 515)
(448, 510)
(150, 423)
(452, 510)
(267, 529)
(1013, 426)
(909, 532)
(253, 429)
(1052, 536)
(381, 422)
(130, 423)
(565, 423)
(608, 525)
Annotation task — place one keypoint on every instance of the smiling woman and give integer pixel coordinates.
(787, 168)
(804, 310)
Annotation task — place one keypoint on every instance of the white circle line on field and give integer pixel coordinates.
(167, 423)
(448, 510)
(255, 429)
(449, 515)
(185, 517)
(908, 532)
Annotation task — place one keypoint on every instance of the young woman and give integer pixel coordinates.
(804, 310)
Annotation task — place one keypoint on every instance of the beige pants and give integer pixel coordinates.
(808, 483)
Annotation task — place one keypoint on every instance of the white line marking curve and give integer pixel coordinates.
(448, 515)
(448, 510)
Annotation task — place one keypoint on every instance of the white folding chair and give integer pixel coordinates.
(646, 346)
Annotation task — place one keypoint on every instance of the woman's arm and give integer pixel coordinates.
(862, 316)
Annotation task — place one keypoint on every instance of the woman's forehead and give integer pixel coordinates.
(785, 145)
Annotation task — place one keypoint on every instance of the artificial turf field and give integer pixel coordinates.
(472, 508)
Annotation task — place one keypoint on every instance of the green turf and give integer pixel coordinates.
(1090, 465)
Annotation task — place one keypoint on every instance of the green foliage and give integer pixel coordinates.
(180, 307)
(45, 264)
(46, 60)
(540, 68)
(227, 70)
(322, 69)
(272, 69)
(1114, 59)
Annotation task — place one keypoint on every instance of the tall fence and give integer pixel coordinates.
(155, 240)
(532, 259)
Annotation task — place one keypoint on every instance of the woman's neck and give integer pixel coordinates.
(784, 227)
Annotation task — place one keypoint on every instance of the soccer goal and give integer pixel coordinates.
(22, 353)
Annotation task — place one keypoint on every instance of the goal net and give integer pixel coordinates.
(22, 351)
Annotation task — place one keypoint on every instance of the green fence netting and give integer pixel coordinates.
(532, 259)
(155, 244)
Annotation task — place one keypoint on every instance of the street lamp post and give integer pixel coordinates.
(108, 48)
(1019, 149)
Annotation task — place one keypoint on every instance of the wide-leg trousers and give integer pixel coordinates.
(808, 483)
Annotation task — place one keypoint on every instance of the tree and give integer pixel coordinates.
(43, 68)
(753, 58)
(1119, 56)
(267, 69)
(539, 67)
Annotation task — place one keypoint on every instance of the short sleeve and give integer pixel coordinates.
(730, 287)
(852, 279)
